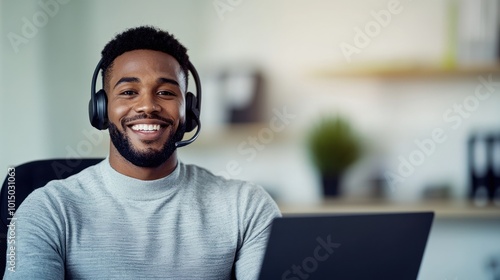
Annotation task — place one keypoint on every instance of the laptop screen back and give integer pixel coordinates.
(354, 246)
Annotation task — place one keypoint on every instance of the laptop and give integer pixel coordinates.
(347, 246)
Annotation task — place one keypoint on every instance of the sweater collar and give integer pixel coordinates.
(132, 188)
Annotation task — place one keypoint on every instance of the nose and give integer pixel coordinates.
(147, 103)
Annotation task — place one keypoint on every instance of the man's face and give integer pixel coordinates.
(145, 91)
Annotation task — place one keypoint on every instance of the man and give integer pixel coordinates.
(141, 213)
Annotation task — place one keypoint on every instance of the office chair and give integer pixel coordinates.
(28, 177)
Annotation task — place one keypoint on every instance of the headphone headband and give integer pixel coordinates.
(197, 83)
(193, 110)
(94, 80)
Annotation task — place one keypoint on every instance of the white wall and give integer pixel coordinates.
(23, 133)
(45, 88)
(461, 249)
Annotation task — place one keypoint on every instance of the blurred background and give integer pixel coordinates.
(411, 87)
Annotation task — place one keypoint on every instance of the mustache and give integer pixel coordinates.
(145, 116)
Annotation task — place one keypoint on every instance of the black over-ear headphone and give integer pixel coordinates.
(98, 106)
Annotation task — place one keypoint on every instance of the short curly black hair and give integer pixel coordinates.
(143, 38)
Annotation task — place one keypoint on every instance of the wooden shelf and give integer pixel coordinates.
(442, 208)
(407, 71)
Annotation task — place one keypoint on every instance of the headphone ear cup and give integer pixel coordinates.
(98, 111)
(192, 112)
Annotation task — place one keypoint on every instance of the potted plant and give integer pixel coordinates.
(333, 147)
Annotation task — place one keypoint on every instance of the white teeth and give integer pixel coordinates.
(146, 127)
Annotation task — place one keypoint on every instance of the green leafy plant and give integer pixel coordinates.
(333, 145)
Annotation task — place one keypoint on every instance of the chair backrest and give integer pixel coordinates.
(23, 179)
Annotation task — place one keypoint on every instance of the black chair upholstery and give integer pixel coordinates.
(28, 177)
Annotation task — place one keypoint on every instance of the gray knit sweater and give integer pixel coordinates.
(100, 224)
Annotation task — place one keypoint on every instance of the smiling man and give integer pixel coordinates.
(146, 91)
(141, 213)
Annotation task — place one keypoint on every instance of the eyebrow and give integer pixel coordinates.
(167, 81)
(137, 80)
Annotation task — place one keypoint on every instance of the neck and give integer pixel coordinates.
(125, 167)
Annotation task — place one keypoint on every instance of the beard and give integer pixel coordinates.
(150, 157)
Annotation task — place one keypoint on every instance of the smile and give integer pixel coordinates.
(145, 127)
(147, 132)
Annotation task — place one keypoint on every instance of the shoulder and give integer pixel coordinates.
(77, 182)
(244, 195)
(205, 179)
(58, 192)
